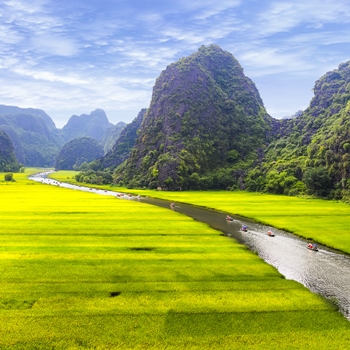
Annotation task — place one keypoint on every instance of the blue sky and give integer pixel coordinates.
(71, 57)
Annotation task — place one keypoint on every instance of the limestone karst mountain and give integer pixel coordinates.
(78, 151)
(93, 125)
(204, 118)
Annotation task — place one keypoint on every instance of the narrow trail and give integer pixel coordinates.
(325, 272)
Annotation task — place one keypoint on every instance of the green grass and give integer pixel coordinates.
(78, 271)
(326, 222)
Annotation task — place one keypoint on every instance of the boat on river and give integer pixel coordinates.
(269, 233)
(244, 228)
(312, 247)
(228, 218)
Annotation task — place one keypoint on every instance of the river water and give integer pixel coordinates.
(325, 272)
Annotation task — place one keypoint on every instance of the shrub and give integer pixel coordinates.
(8, 177)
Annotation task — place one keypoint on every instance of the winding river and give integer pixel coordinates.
(325, 272)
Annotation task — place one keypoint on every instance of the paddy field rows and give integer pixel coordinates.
(325, 221)
(84, 271)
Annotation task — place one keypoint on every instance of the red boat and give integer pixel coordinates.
(269, 233)
(228, 218)
(312, 247)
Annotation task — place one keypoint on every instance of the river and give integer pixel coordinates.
(325, 272)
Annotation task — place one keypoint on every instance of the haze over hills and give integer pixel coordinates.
(8, 161)
(77, 151)
(33, 134)
(124, 144)
(36, 139)
(111, 135)
(93, 125)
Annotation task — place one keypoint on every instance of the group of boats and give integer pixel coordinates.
(244, 228)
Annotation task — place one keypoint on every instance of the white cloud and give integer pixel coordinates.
(283, 16)
(55, 45)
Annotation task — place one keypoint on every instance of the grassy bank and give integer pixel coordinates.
(326, 222)
(84, 271)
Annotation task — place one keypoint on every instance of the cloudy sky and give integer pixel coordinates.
(71, 57)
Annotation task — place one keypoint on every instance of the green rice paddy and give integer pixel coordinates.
(84, 271)
(327, 222)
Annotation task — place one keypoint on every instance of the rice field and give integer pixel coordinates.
(327, 222)
(84, 271)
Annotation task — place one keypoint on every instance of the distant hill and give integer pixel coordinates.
(13, 110)
(33, 134)
(8, 161)
(111, 135)
(77, 151)
(93, 125)
(37, 141)
(206, 121)
(124, 144)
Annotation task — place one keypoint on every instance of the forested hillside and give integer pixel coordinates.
(8, 161)
(111, 135)
(37, 141)
(78, 151)
(206, 122)
(312, 152)
(206, 128)
(33, 134)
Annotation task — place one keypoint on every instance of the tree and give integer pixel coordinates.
(8, 177)
(317, 180)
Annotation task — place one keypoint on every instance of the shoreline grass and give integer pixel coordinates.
(322, 221)
(84, 271)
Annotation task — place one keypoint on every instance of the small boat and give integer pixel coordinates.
(312, 247)
(269, 233)
(244, 228)
(228, 218)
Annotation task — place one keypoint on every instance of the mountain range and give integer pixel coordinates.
(37, 141)
(207, 128)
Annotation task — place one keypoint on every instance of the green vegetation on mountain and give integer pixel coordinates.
(78, 151)
(206, 128)
(93, 125)
(122, 147)
(311, 153)
(206, 122)
(33, 134)
(101, 170)
(8, 161)
(111, 135)
(37, 141)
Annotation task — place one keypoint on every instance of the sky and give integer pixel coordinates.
(71, 57)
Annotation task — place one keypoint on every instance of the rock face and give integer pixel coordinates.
(111, 135)
(92, 125)
(77, 151)
(205, 114)
(8, 161)
(33, 134)
(122, 147)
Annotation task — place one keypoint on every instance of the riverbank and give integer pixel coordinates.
(322, 221)
(84, 271)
